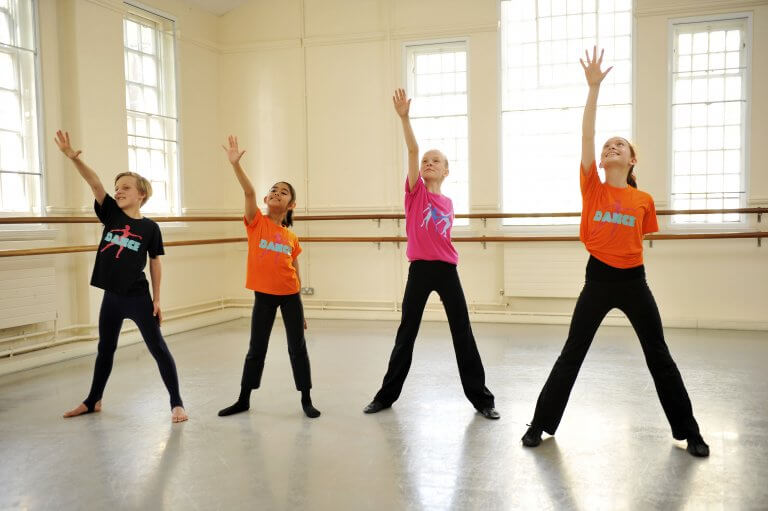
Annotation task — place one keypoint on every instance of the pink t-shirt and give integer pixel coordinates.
(428, 222)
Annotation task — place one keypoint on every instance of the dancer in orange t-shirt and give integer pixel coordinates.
(273, 276)
(615, 216)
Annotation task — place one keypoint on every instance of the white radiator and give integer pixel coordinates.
(544, 270)
(27, 292)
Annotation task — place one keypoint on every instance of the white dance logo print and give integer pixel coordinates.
(439, 217)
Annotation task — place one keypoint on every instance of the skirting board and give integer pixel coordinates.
(236, 309)
(131, 336)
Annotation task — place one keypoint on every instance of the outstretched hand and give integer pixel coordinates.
(401, 102)
(62, 142)
(592, 71)
(233, 151)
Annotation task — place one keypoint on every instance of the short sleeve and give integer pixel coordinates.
(255, 222)
(650, 223)
(155, 247)
(107, 210)
(590, 182)
(296, 248)
(412, 195)
(417, 186)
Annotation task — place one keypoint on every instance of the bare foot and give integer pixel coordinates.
(82, 409)
(178, 414)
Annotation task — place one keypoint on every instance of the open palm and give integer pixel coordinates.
(592, 71)
(401, 102)
(62, 142)
(233, 151)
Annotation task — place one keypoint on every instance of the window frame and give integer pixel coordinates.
(444, 43)
(571, 227)
(37, 145)
(142, 11)
(745, 223)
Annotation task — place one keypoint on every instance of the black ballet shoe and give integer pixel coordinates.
(375, 407)
(235, 408)
(697, 447)
(310, 411)
(490, 413)
(532, 437)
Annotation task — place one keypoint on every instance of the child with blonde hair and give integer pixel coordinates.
(127, 239)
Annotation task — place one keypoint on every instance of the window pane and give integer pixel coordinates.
(8, 79)
(13, 193)
(10, 111)
(11, 153)
(152, 132)
(5, 29)
(711, 103)
(147, 40)
(438, 82)
(131, 35)
(543, 92)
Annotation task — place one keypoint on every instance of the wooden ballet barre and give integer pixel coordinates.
(305, 218)
(395, 239)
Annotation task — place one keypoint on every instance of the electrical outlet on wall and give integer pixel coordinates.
(307, 290)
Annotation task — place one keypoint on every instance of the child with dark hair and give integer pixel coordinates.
(273, 276)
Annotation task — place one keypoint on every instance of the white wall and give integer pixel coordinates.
(306, 86)
(349, 59)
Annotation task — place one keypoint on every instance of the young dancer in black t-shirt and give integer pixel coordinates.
(126, 240)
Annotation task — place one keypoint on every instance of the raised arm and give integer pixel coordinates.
(402, 106)
(62, 142)
(594, 77)
(234, 154)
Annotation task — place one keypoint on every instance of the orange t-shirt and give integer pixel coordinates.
(614, 220)
(272, 249)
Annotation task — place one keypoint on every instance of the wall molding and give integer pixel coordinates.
(35, 232)
(358, 38)
(340, 39)
(205, 44)
(259, 46)
(212, 212)
(327, 209)
(444, 31)
(55, 211)
(700, 7)
(193, 317)
(113, 5)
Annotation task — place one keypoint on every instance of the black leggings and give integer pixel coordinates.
(264, 311)
(423, 278)
(114, 309)
(634, 298)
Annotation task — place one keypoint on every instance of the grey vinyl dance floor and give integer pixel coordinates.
(613, 450)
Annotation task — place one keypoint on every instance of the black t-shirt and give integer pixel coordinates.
(122, 253)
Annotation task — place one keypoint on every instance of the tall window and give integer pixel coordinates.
(20, 169)
(709, 108)
(437, 82)
(150, 97)
(543, 95)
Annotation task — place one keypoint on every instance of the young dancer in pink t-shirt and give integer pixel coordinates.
(433, 258)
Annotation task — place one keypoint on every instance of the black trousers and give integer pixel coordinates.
(634, 298)
(264, 311)
(423, 278)
(114, 309)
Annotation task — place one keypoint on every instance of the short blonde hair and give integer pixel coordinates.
(142, 184)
